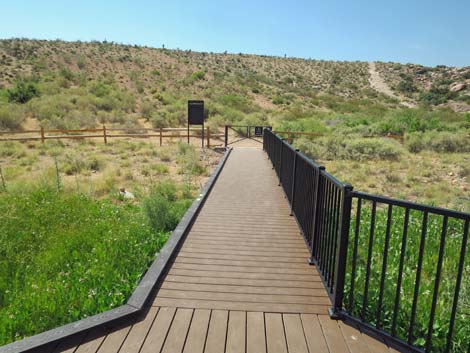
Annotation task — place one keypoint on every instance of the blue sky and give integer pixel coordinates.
(426, 32)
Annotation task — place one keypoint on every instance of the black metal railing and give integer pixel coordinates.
(393, 267)
(320, 209)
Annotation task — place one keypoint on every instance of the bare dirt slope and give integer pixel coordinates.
(379, 84)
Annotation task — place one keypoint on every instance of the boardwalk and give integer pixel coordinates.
(240, 282)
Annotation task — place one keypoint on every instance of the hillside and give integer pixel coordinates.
(59, 84)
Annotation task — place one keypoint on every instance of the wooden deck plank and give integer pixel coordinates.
(159, 330)
(114, 340)
(138, 332)
(295, 337)
(176, 338)
(236, 332)
(216, 336)
(354, 339)
(227, 274)
(221, 288)
(275, 336)
(243, 250)
(313, 334)
(245, 269)
(255, 333)
(245, 282)
(243, 297)
(92, 341)
(197, 334)
(247, 306)
(237, 260)
(240, 263)
(375, 345)
(333, 335)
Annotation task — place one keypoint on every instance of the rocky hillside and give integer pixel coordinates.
(440, 85)
(74, 84)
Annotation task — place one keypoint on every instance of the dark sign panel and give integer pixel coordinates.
(196, 112)
(258, 131)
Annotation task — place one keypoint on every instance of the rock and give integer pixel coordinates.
(126, 194)
(457, 87)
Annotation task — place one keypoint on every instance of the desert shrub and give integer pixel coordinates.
(11, 117)
(160, 168)
(438, 141)
(196, 76)
(436, 95)
(407, 120)
(146, 109)
(406, 85)
(342, 147)
(238, 102)
(278, 100)
(188, 160)
(12, 149)
(22, 92)
(307, 124)
(162, 208)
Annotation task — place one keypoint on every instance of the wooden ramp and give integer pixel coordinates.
(240, 282)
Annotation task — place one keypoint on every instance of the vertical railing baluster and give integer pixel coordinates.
(418, 277)
(354, 254)
(294, 174)
(436, 284)
(280, 163)
(332, 237)
(400, 271)
(369, 260)
(384, 267)
(316, 214)
(342, 250)
(463, 251)
(339, 196)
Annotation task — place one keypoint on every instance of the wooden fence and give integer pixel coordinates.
(106, 133)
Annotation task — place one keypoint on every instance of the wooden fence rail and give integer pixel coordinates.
(105, 134)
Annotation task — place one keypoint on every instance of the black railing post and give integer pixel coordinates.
(226, 135)
(280, 163)
(342, 252)
(292, 198)
(316, 214)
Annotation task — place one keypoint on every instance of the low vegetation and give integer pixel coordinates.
(455, 229)
(70, 245)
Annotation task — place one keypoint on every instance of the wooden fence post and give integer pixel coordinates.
(161, 136)
(3, 179)
(104, 134)
(208, 137)
(42, 134)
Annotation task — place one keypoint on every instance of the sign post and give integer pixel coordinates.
(196, 115)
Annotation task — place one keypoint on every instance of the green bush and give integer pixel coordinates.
(436, 95)
(196, 76)
(22, 92)
(350, 148)
(11, 117)
(407, 120)
(406, 86)
(163, 209)
(438, 141)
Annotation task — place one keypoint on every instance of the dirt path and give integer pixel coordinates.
(378, 83)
